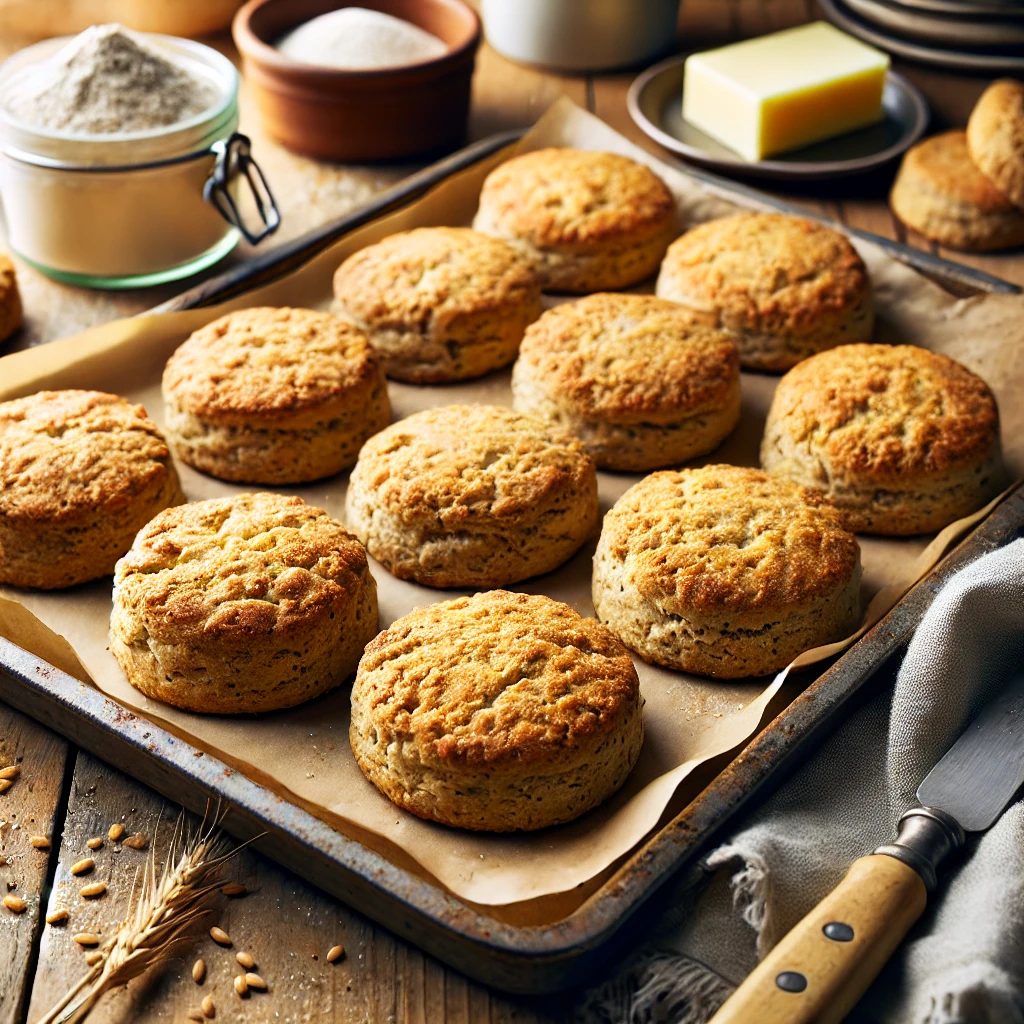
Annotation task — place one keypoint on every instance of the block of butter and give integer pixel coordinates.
(782, 91)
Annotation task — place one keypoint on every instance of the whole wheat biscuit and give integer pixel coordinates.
(941, 193)
(242, 604)
(439, 304)
(80, 473)
(899, 439)
(498, 712)
(783, 287)
(637, 379)
(995, 137)
(589, 221)
(471, 496)
(11, 316)
(726, 572)
(273, 396)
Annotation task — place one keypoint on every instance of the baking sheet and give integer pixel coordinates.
(303, 754)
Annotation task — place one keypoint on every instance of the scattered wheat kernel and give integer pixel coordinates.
(245, 959)
(240, 985)
(198, 971)
(40, 842)
(233, 889)
(5, 784)
(87, 939)
(209, 1010)
(137, 841)
(196, 1015)
(93, 890)
(95, 843)
(115, 832)
(15, 904)
(335, 953)
(80, 867)
(255, 981)
(58, 916)
(220, 936)
(94, 958)
(10, 773)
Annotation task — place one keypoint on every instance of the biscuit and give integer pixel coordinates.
(471, 496)
(499, 712)
(725, 572)
(81, 472)
(995, 137)
(11, 316)
(942, 194)
(273, 396)
(439, 304)
(637, 379)
(589, 221)
(242, 604)
(899, 439)
(783, 287)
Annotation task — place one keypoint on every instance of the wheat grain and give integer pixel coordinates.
(80, 867)
(58, 916)
(220, 936)
(15, 904)
(115, 832)
(10, 773)
(199, 971)
(94, 889)
(245, 959)
(335, 953)
(209, 1010)
(255, 981)
(40, 842)
(241, 987)
(95, 843)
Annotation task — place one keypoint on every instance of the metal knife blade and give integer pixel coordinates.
(978, 776)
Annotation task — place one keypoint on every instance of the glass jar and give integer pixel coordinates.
(134, 208)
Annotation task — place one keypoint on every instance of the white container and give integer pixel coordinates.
(133, 208)
(581, 35)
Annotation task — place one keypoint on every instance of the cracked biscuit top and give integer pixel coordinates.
(67, 454)
(497, 679)
(887, 413)
(233, 568)
(724, 538)
(268, 363)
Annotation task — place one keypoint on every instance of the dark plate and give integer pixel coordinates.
(655, 103)
(965, 29)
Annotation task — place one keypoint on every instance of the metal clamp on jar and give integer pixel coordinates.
(131, 209)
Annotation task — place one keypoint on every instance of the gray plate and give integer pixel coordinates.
(967, 8)
(965, 29)
(655, 103)
(953, 59)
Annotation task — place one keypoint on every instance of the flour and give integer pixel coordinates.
(108, 80)
(354, 38)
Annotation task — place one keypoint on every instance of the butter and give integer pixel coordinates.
(782, 91)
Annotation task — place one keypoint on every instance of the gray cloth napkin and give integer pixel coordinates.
(963, 963)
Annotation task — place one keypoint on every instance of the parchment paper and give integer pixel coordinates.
(303, 754)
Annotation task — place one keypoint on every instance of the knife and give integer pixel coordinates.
(822, 967)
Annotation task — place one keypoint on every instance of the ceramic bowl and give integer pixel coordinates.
(361, 115)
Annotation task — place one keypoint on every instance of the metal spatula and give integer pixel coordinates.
(823, 966)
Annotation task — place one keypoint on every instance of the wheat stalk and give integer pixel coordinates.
(160, 916)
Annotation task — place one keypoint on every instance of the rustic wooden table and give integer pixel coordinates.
(70, 796)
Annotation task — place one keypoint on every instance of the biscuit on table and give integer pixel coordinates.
(783, 287)
(499, 712)
(899, 439)
(80, 473)
(439, 304)
(995, 137)
(637, 379)
(471, 496)
(273, 396)
(725, 572)
(11, 316)
(243, 604)
(941, 193)
(589, 221)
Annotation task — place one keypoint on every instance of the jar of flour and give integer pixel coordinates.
(120, 161)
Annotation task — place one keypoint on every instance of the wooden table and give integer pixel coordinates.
(70, 796)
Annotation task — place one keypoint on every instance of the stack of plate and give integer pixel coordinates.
(964, 35)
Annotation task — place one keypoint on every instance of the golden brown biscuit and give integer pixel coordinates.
(637, 379)
(899, 439)
(243, 604)
(783, 287)
(995, 137)
(80, 473)
(471, 496)
(589, 221)
(941, 193)
(439, 304)
(499, 712)
(11, 316)
(273, 396)
(726, 572)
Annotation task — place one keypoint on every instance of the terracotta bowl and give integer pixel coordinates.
(378, 114)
